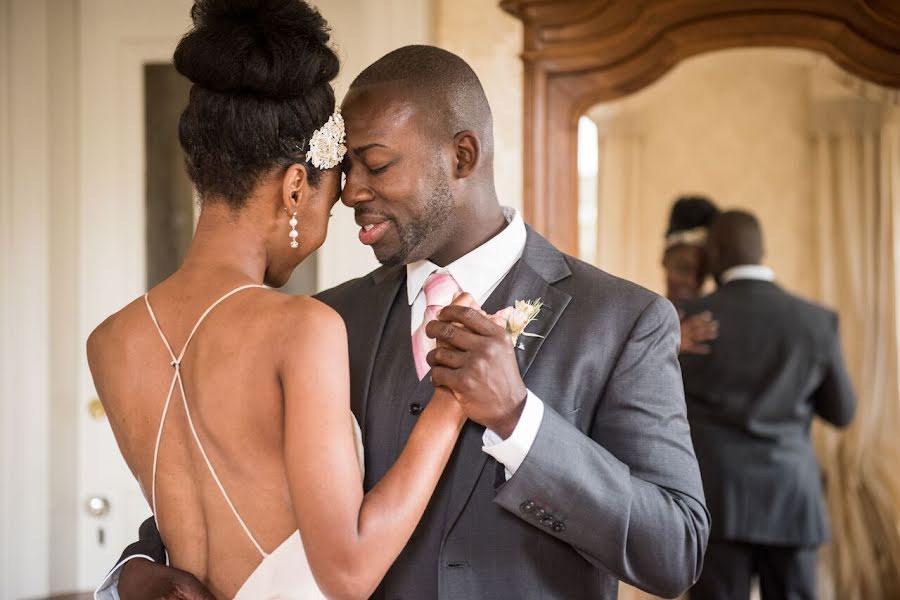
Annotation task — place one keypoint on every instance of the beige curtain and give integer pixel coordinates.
(856, 154)
(618, 195)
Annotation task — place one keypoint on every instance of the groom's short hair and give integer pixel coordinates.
(439, 80)
(738, 237)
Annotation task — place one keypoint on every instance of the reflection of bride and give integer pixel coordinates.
(684, 261)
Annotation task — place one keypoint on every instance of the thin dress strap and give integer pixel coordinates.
(176, 379)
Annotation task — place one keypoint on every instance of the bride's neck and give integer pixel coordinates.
(227, 242)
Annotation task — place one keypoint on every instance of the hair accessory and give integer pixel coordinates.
(326, 148)
(690, 237)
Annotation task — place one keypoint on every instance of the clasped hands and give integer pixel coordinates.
(475, 359)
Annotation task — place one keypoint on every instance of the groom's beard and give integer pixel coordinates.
(435, 216)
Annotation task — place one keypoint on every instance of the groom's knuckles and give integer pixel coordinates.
(451, 334)
(457, 380)
(439, 330)
(443, 377)
(471, 318)
(445, 356)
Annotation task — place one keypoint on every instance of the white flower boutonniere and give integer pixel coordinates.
(515, 319)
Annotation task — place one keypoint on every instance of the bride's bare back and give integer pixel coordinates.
(266, 378)
(230, 375)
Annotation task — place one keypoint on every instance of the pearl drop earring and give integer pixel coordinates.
(294, 234)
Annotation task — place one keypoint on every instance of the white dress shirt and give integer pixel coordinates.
(479, 273)
(754, 272)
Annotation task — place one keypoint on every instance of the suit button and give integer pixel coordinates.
(548, 521)
(527, 507)
(539, 514)
(415, 409)
(559, 527)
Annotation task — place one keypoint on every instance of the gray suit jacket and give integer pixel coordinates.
(610, 490)
(776, 364)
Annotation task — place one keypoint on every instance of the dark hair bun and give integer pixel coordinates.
(689, 212)
(271, 48)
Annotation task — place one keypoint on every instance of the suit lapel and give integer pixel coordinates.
(531, 278)
(366, 325)
(528, 285)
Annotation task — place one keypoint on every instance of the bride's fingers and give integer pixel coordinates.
(466, 299)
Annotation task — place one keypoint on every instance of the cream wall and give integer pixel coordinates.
(24, 294)
(732, 125)
(490, 40)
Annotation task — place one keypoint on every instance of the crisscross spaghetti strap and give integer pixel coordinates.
(176, 379)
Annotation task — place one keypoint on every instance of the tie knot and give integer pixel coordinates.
(440, 289)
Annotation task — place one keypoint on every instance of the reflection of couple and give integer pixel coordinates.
(752, 390)
(575, 467)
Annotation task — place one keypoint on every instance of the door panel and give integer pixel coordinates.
(119, 39)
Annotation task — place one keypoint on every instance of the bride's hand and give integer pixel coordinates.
(445, 401)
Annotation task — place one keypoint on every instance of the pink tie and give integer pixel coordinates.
(440, 290)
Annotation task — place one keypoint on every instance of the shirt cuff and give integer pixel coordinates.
(109, 588)
(512, 451)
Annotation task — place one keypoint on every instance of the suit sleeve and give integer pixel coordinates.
(628, 496)
(834, 399)
(148, 546)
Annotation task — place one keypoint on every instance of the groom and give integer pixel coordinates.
(577, 469)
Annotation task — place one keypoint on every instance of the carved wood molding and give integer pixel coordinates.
(581, 52)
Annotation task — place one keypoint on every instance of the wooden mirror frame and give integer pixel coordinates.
(581, 52)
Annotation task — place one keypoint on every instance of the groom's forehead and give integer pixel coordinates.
(379, 110)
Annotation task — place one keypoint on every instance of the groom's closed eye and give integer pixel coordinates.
(379, 170)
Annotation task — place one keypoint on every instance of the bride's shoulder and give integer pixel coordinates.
(114, 332)
(306, 319)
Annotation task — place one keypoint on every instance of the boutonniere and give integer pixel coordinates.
(515, 319)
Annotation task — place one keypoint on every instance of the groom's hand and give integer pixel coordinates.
(142, 579)
(478, 363)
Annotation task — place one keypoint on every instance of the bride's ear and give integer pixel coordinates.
(293, 186)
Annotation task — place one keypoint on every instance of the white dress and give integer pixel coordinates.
(284, 573)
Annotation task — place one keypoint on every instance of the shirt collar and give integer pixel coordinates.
(755, 272)
(481, 269)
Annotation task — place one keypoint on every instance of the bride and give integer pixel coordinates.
(229, 400)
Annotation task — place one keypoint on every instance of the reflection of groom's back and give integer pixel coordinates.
(776, 363)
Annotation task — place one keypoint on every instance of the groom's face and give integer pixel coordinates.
(397, 176)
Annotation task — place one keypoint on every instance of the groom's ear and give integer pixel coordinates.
(292, 185)
(468, 153)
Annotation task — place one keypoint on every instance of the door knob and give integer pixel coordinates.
(97, 506)
(95, 409)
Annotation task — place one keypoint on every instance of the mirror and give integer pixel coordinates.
(824, 179)
(812, 151)
(742, 127)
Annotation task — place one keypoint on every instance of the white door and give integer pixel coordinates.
(118, 38)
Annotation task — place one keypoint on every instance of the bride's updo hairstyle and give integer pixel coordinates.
(261, 71)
